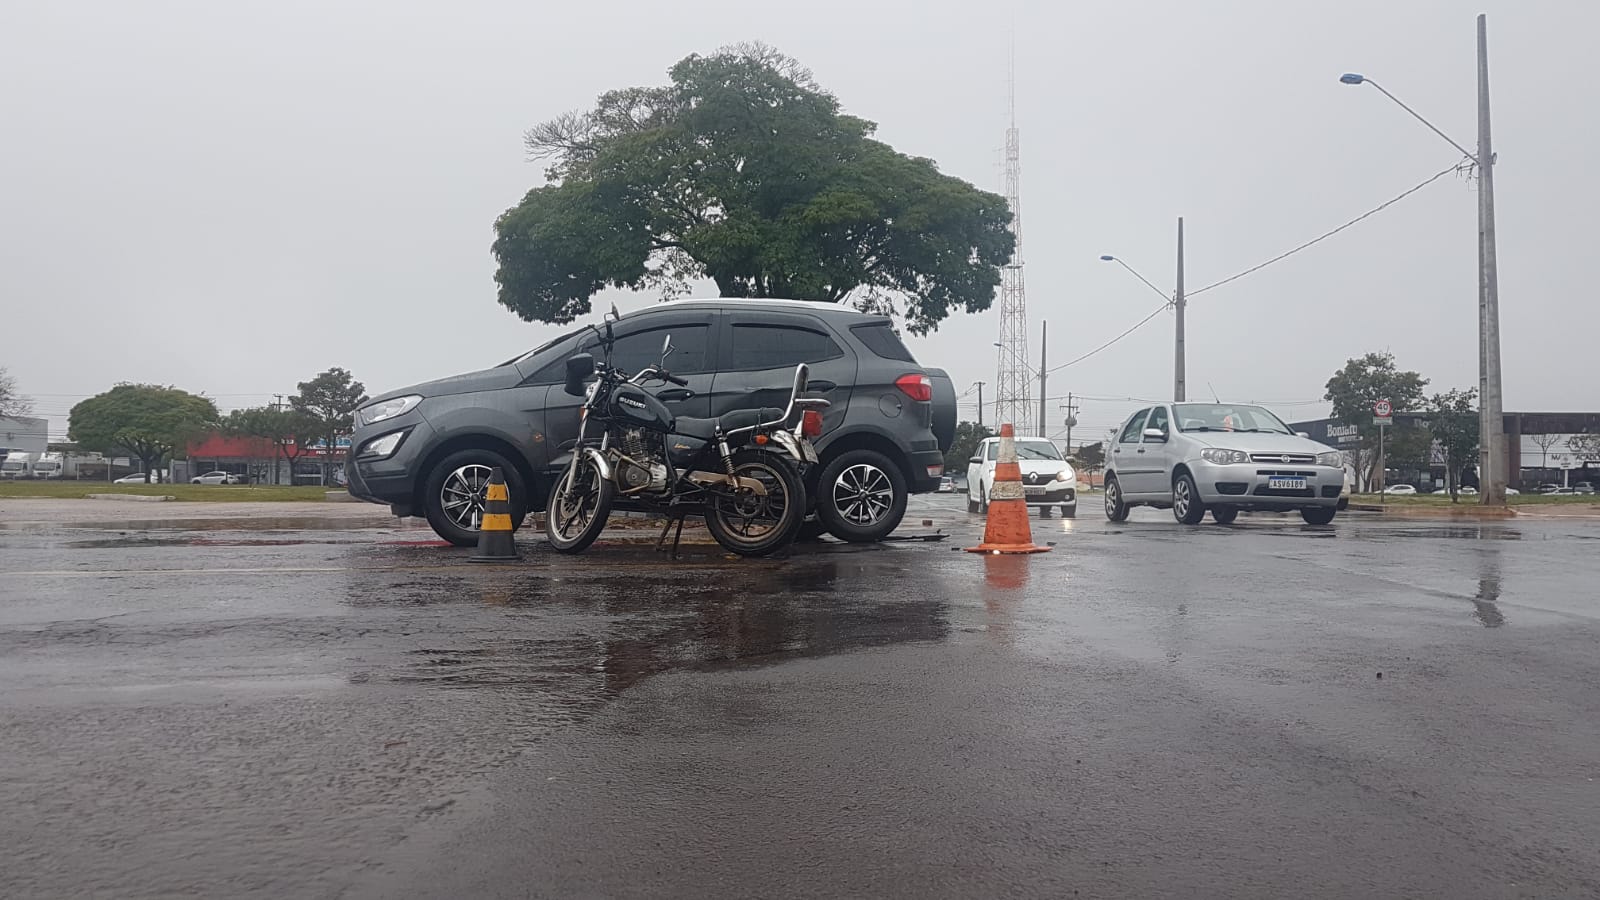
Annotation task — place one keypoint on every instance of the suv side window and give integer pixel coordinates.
(1158, 419)
(1134, 428)
(993, 452)
(763, 346)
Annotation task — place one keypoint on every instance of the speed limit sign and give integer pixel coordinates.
(1382, 412)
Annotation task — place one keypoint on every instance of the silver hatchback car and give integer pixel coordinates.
(1219, 457)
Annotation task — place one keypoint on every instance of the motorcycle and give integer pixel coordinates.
(742, 471)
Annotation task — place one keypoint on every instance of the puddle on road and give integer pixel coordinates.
(133, 541)
(599, 629)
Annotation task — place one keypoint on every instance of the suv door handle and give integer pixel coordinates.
(822, 385)
(1141, 449)
(674, 395)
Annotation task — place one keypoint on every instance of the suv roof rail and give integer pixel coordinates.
(774, 301)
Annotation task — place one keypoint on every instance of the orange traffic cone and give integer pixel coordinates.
(1006, 530)
(495, 543)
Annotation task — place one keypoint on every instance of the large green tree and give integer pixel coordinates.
(1453, 422)
(148, 421)
(1361, 383)
(331, 399)
(968, 436)
(743, 170)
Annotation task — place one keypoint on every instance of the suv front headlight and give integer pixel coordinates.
(1333, 460)
(388, 409)
(1224, 457)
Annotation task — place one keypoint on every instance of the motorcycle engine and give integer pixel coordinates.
(643, 468)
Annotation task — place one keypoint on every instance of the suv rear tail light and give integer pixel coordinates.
(811, 424)
(917, 387)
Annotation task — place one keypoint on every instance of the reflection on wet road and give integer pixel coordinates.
(292, 709)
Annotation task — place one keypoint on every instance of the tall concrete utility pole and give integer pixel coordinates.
(1491, 425)
(1179, 376)
(1044, 332)
(1011, 384)
(980, 403)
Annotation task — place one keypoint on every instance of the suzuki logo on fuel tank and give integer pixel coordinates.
(629, 401)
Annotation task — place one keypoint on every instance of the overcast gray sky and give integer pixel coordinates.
(231, 198)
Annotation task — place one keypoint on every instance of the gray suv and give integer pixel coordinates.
(427, 450)
(1221, 457)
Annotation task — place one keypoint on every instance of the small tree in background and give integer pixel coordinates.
(12, 404)
(331, 399)
(1363, 382)
(1453, 422)
(968, 436)
(290, 431)
(1091, 458)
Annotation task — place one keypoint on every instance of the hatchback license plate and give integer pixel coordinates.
(1031, 489)
(1286, 484)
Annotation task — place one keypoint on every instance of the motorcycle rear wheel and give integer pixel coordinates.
(580, 505)
(752, 525)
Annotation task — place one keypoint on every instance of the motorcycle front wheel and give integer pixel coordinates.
(580, 504)
(752, 524)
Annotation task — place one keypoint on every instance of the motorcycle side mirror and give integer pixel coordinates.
(579, 367)
(613, 315)
(666, 349)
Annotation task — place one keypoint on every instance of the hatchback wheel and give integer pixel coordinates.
(861, 496)
(1186, 505)
(1116, 509)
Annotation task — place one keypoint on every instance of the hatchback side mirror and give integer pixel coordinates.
(1302, 434)
(1155, 434)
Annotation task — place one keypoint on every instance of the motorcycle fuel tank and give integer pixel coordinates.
(635, 406)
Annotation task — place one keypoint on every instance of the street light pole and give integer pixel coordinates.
(980, 404)
(1179, 379)
(1492, 469)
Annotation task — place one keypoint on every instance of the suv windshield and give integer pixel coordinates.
(1227, 417)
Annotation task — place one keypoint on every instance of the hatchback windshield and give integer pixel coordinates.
(1227, 417)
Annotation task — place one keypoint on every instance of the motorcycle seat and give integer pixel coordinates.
(706, 429)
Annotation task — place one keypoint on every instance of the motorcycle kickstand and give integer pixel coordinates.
(675, 538)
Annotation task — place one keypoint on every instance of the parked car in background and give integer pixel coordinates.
(1223, 458)
(139, 478)
(217, 478)
(427, 450)
(1547, 488)
(1464, 492)
(1047, 478)
(947, 485)
(1584, 487)
(1400, 489)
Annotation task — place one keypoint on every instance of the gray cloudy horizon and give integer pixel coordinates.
(233, 199)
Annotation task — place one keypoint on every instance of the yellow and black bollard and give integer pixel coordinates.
(495, 543)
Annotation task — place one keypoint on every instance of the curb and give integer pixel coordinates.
(338, 497)
(1424, 512)
(133, 498)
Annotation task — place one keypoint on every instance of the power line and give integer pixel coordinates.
(1157, 311)
(1454, 167)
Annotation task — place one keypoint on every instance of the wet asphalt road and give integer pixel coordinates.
(1147, 711)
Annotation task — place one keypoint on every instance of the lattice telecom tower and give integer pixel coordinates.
(1011, 397)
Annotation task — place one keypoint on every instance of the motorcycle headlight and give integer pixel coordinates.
(1224, 457)
(1333, 460)
(388, 409)
(382, 446)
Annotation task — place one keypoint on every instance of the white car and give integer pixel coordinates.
(1047, 479)
(137, 478)
(216, 478)
(947, 485)
(1398, 489)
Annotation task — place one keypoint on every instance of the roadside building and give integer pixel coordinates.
(260, 461)
(24, 435)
